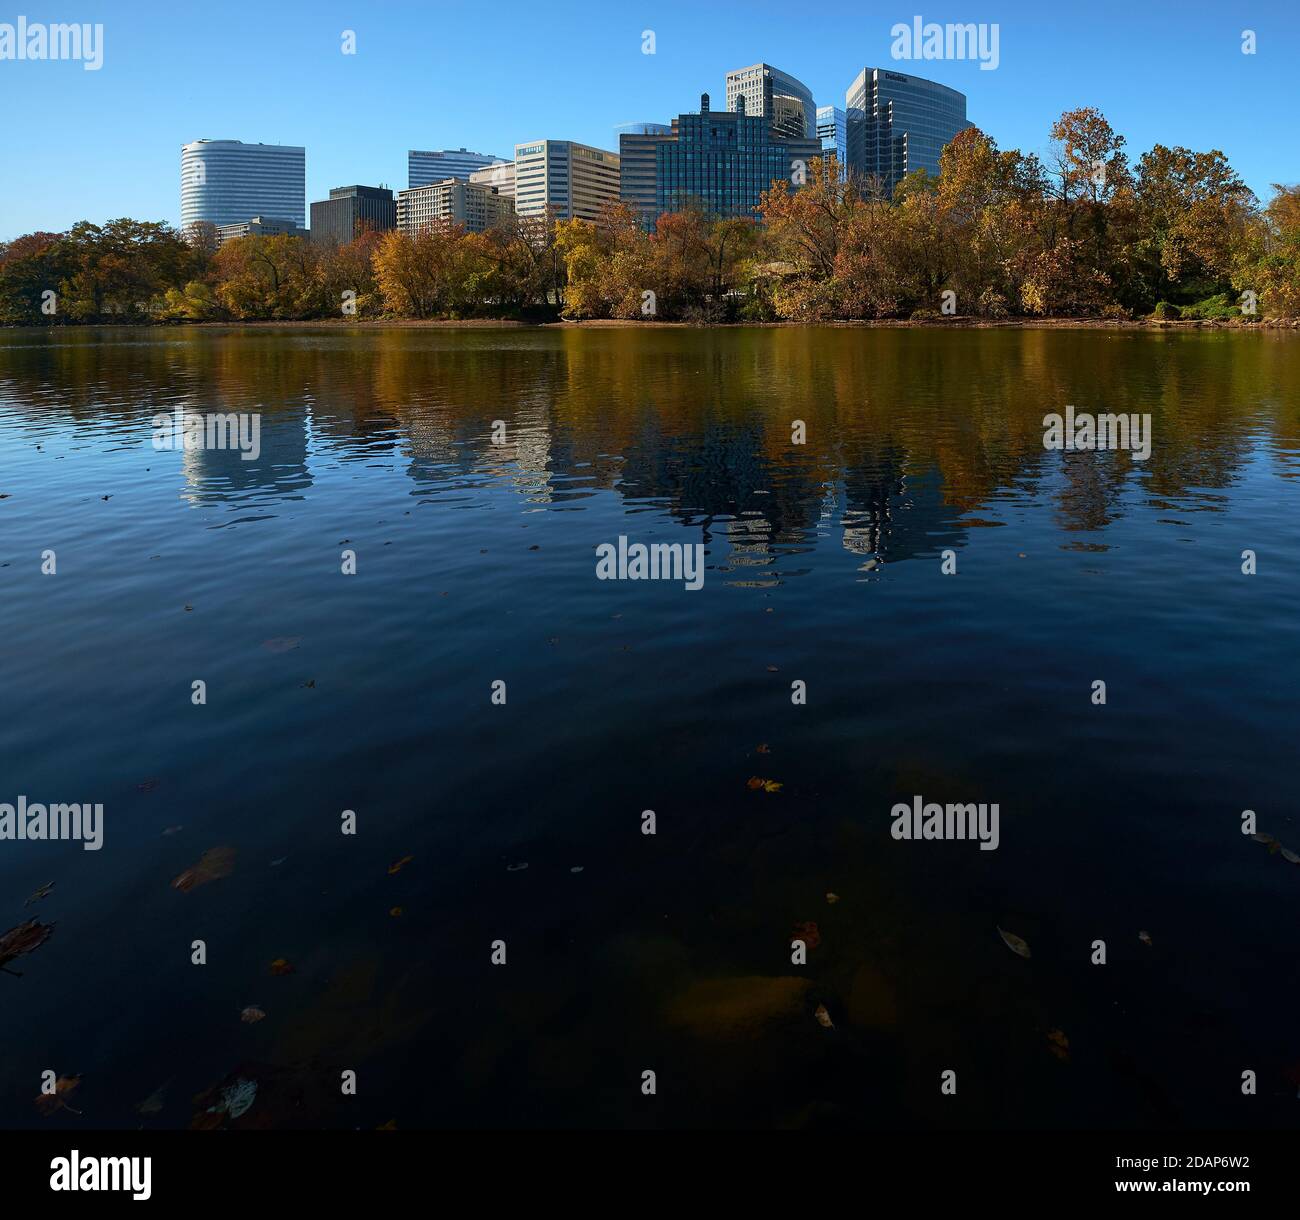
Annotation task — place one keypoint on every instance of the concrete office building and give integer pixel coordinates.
(769, 93)
(636, 166)
(832, 131)
(500, 177)
(575, 180)
(423, 168)
(723, 161)
(259, 226)
(452, 201)
(228, 182)
(897, 124)
(351, 211)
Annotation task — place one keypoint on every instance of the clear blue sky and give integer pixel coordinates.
(485, 74)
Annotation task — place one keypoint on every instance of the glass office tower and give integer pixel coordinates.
(769, 93)
(897, 124)
(832, 131)
(228, 182)
(723, 161)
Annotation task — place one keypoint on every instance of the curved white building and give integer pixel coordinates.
(228, 182)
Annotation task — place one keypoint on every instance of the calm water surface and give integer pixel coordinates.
(626, 952)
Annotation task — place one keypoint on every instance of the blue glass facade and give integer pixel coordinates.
(723, 161)
(832, 131)
(897, 124)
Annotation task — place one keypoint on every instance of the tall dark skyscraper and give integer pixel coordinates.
(897, 124)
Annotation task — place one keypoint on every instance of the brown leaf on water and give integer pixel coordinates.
(154, 1103)
(832, 898)
(767, 785)
(763, 748)
(809, 933)
(395, 912)
(40, 893)
(252, 1015)
(1261, 837)
(25, 938)
(281, 966)
(823, 1017)
(1059, 1045)
(1145, 938)
(52, 1103)
(398, 865)
(1014, 943)
(282, 643)
(215, 863)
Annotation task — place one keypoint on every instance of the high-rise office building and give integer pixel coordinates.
(351, 211)
(575, 180)
(897, 124)
(636, 166)
(723, 161)
(227, 182)
(769, 93)
(500, 177)
(441, 164)
(451, 201)
(832, 131)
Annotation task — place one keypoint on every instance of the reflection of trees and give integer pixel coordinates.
(908, 431)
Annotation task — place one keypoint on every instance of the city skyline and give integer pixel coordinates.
(605, 81)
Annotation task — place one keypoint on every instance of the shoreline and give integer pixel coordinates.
(957, 323)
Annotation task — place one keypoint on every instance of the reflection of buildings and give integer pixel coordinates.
(280, 468)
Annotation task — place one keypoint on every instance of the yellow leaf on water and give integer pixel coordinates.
(824, 1017)
(398, 865)
(1014, 943)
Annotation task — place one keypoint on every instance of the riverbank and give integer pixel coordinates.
(958, 323)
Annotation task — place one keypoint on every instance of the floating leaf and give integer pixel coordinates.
(1261, 837)
(823, 1017)
(1059, 1045)
(1014, 943)
(398, 865)
(51, 1103)
(41, 892)
(23, 939)
(809, 933)
(153, 1104)
(395, 912)
(238, 1098)
(215, 863)
(1289, 856)
(390, 1125)
(1145, 938)
(767, 785)
(281, 966)
(763, 748)
(832, 898)
(252, 1015)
